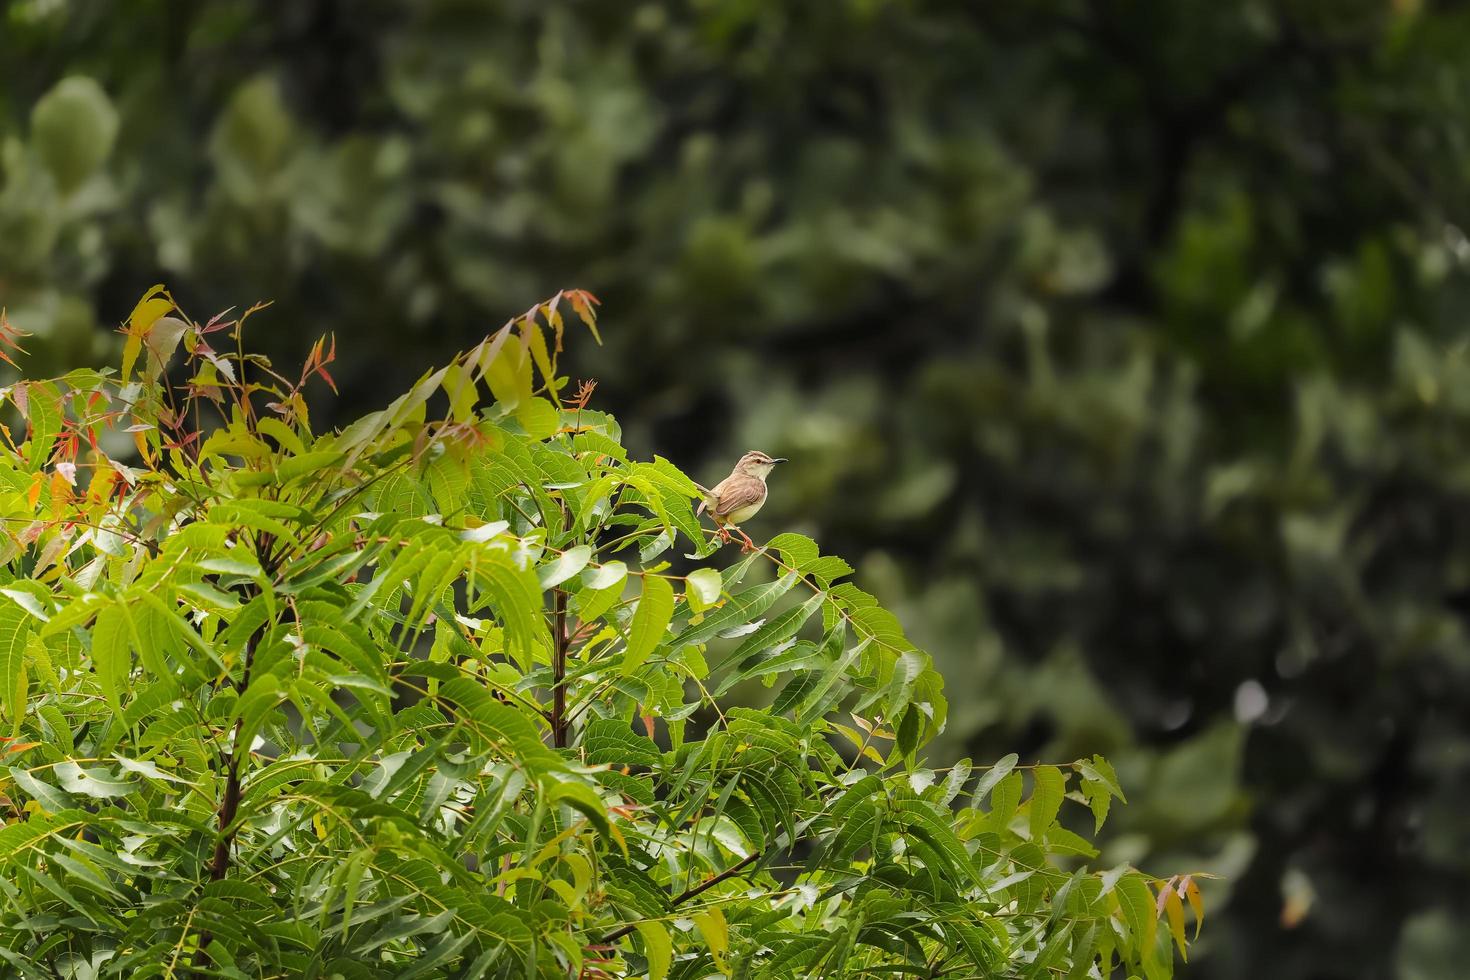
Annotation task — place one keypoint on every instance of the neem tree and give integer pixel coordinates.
(422, 698)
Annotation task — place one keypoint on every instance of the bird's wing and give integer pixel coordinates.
(711, 501)
(736, 493)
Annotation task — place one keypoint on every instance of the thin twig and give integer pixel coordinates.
(686, 895)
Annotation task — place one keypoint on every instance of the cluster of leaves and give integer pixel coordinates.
(382, 702)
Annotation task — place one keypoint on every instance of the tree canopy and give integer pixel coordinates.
(427, 696)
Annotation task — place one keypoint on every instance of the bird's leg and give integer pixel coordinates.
(724, 533)
(746, 545)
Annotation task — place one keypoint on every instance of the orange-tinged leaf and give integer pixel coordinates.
(33, 493)
(1174, 910)
(10, 338)
(140, 439)
(1196, 903)
(582, 304)
(148, 311)
(101, 486)
(60, 495)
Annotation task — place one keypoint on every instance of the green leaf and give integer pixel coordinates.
(919, 818)
(15, 631)
(777, 631)
(1046, 798)
(112, 653)
(1136, 903)
(51, 799)
(582, 798)
(797, 550)
(711, 924)
(149, 768)
(993, 775)
(1005, 798)
(739, 609)
(609, 741)
(650, 621)
(606, 576)
(1099, 798)
(704, 587)
(657, 947)
(484, 532)
(499, 724)
(1099, 769)
(95, 781)
(1060, 840)
(306, 465)
(259, 700)
(210, 599)
(802, 655)
(538, 417)
(28, 600)
(43, 414)
(569, 563)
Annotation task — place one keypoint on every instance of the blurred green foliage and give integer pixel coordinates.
(1127, 338)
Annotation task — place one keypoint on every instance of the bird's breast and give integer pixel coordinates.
(743, 514)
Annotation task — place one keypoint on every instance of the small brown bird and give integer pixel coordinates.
(737, 497)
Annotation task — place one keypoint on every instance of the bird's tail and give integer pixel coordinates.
(707, 502)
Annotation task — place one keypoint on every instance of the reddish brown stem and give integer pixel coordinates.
(559, 671)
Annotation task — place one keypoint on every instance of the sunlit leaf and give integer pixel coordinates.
(650, 621)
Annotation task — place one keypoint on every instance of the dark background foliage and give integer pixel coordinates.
(1121, 344)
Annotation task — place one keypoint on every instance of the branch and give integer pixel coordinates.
(685, 896)
(229, 806)
(559, 672)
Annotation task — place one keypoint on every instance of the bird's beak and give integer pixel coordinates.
(783, 459)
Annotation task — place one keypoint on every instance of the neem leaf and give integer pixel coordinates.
(1101, 770)
(711, 924)
(49, 797)
(95, 782)
(650, 621)
(601, 577)
(1136, 903)
(1005, 798)
(658, 949)
(612, 741)
(1099, 799)
(1174, 912)
(992, 776)
(485, 531)
(1196, 903)
(1046, 798)
(704, 585)
(569, 563)
(738, 610)
(15, 630)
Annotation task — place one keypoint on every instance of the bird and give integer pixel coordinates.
(737, 497)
